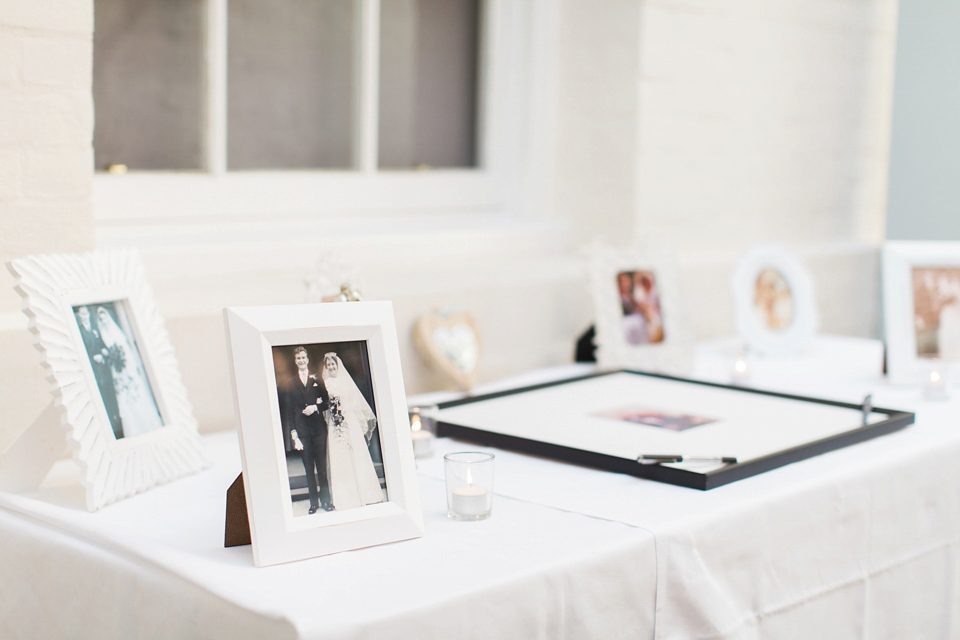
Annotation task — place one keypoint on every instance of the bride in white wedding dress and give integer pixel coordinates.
(350, 421)
(138, 409)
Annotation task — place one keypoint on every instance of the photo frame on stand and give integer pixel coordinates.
(921, 305)
(774, 300)
(116, 383)
(325, 441)
(636, 299)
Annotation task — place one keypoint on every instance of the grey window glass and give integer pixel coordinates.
(147, 84)
(428, 83)
(290, 84)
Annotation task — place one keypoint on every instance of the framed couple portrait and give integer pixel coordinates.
(114, 373)
(638, 311)
(327, 455)
(921, 305)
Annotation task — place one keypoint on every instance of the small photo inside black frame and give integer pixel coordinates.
(118, 368)
(331, 433)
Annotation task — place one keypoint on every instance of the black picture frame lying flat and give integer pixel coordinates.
(703, 480)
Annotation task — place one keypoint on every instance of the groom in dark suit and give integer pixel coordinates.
(306, 399)
(97, 351)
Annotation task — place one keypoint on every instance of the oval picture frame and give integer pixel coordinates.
(773, 293)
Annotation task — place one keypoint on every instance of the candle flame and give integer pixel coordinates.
(469, 477)
(740, 366)
(934, 376)
(415, 422)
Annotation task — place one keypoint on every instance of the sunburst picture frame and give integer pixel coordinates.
(114, 375)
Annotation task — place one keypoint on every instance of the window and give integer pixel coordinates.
(293, 107)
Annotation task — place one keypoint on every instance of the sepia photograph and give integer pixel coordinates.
(656, 418)
(118, 368)
(773, 300)
(330, 429)
(640, 306)
(936, 312)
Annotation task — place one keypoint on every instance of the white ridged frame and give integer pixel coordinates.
(675, 354)
(111, 469)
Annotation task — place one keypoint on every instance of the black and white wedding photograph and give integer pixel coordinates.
(330, 427)
(118, 368)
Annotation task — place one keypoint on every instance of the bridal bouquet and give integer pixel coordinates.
(336, 413)
(115, 358)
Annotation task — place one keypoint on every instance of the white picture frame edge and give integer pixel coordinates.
(275, 537)
(898, 258)
(110, 469)
(675, 354)
(804, 326)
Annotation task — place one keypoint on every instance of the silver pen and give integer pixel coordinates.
(664, 458)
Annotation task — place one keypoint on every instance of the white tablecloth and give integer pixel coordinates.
(858, 543)
(155, 566)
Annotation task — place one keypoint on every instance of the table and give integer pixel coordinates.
(863, 542)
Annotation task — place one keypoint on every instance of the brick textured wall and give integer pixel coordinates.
(707, 127)
(46, 128)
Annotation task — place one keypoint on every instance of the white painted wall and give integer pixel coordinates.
(679, 122)
(710, 126)
(768, 122)
(46, 160)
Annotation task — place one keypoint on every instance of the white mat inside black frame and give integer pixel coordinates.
(613, 420)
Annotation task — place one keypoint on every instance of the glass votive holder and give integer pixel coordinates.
(423, 429)
(935, 380)
(469, 485)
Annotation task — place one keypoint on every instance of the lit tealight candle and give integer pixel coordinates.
(422, 439)
(469, 501)
(740, 369)
(741, 372)
(935, 385)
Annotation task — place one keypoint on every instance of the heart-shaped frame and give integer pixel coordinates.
(451, 344)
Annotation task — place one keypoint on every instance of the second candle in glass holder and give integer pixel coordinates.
(469, 476)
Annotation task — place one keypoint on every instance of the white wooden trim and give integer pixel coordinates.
(367, 103)
(539, 111)
(495, 189)
(276, 195)
(215, 75)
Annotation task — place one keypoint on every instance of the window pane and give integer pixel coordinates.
(147, 80)
(291, 78)
(428, 83)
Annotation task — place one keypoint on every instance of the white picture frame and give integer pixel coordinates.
(259, 338)
(626, 339)
(774, 301)
(918, 278)
(149, 435)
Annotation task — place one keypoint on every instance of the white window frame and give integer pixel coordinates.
(507, 77)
